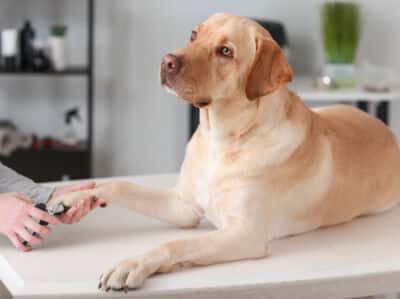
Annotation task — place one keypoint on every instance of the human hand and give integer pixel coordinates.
(83, 207)
(18, 220)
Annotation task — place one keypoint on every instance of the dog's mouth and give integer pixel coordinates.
(164, 80)
(201, 103)
(169, 87)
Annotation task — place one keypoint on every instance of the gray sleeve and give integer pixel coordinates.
(10, 181)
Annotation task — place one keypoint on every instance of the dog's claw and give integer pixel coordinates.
(99, 285)
(108, 289)
(125, 289)
(103, 205)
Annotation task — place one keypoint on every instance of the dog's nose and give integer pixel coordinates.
(171, 63)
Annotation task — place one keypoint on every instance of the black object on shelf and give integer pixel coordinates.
(382, 111)
(277, 31)
(56, 163)
(70, 71)
(10, 64)
(40, 61)
(363, 106)
(26, 51)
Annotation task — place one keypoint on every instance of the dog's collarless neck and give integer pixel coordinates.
(230, 119)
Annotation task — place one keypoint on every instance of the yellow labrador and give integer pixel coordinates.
(261, 165)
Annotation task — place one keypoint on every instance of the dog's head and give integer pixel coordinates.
(227, 56)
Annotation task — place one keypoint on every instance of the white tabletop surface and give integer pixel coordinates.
(303, 86)
(355, 259)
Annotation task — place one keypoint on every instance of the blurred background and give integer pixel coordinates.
(79, 87)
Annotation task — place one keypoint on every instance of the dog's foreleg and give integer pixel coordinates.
(229, 244)
(163, 204)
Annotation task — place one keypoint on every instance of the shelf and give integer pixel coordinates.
(72, 71)
(303, 86)
(50, 164)
(59, 149)
(43, 165)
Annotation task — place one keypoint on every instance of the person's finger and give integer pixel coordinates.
(85, 185)
(28, 237)
(103, 203)
(64, 217)
(79, 214)
(41, 230)
(78, 187)
(83, 208)
(18, 243)
(68, 216)
(72, 210)
(24, 197)
(21, 196)
(95, 204)
(86, 207)
(41, 215)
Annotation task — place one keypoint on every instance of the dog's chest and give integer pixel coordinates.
(210, 187)
(204, 186)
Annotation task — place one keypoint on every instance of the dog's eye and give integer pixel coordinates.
(225, 51)
(193, 36)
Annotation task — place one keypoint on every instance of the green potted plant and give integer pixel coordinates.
(341, 26)
(57, 45)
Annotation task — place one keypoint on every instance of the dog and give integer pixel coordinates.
(261, 165)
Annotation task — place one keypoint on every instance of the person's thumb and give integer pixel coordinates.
(24, 197)
(75, 187)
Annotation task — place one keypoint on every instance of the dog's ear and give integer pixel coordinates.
(269, 70)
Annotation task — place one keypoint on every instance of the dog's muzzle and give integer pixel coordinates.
(170, 67)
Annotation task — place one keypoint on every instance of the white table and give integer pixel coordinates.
(356, 259)
(304, 87)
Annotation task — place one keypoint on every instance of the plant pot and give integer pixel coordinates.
(58, 53)
(340, 28)
(342, 74)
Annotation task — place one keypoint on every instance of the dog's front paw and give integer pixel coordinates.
(66, 200)
(129, 274)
